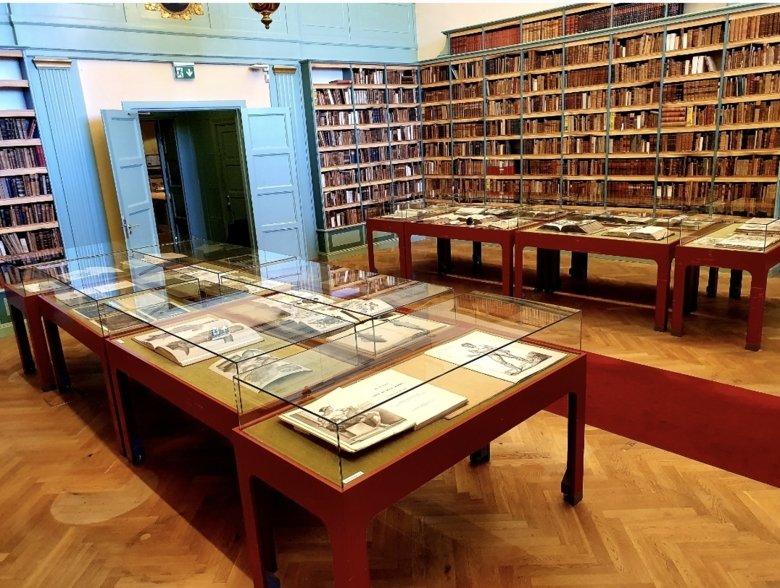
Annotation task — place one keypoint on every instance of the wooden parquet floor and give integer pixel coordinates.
(74, 514)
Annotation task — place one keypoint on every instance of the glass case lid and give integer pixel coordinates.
(186, 329)
(206, 252)
(753, 234)
(351, 403)
(355, 294)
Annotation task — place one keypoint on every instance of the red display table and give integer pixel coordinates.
(346, 509)
(386, 225)
(758, 263)
(33, 350)
(661, 252)
(504, 238)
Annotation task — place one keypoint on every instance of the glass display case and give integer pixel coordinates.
(208, 343)
(616, 224)
(367, 395)
(754, 234)
(83, 286)
(329, 288)
(211, 255)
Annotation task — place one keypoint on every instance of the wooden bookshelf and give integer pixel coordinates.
(554, 24)
(681, 112)
(367, 145)
(29, 231)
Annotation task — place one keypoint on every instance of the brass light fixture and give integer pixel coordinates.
(180, 11)
(266, 9)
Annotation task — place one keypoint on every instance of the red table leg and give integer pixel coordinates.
(758, 280)
(678, 299)
(350, 552)
(662, 293)
(506, 268)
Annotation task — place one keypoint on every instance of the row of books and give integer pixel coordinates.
(592, 76)
(343, 218)
(465, 91)
(756, 166)
(368, 76)
(754, 27)
(750, 112)
(341, 198)
(29, 241)
(398, 77)
(542, 59)
(437, 149)
(25, 185)
(21, 157)
(695, 64)
(404, 115)
(405, 133)
(26, 214)
(752, 56)
(699, 36)
(402, 96)
(18, 128)
(750, 139)
(747, 85)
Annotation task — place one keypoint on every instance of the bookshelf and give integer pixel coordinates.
(553, 24)
(29, 231)
(367, 145)
(679, 112)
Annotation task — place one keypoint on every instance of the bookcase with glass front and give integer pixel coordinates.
(679, 114)
(365, 122)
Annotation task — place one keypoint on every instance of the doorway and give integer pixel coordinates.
(197, 175)
(237, 168)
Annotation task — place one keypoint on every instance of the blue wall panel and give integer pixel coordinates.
(64, 129)
(225, 33)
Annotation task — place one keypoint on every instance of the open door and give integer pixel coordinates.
(273, 177)
(131, 179)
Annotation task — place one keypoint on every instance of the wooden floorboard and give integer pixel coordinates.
(75, 514)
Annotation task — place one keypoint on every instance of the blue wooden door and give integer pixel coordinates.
(273, 180)
(131, 179)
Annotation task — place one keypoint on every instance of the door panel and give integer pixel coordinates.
(273, 180)
(131, 180)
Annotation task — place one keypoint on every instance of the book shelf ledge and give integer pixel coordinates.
(26, 200)
(19, 143)
(31, 227)
(342, 206)
(345, 147)
(17, 113)
(340, 187)
(22, 171)
(14, 84)
(33, 255)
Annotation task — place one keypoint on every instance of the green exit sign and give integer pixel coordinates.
(184, 71)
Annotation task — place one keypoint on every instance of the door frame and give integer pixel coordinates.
(199, 106)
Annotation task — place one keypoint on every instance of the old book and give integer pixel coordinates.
(373, 409)
(570, 226)
(760, 226)
(381, 336)
(496, 356)
(256, 367)
(748, 242)
(188, 342)
(645, 233)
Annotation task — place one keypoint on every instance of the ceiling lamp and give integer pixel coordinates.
(266, 9)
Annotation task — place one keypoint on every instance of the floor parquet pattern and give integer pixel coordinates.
(75, 514)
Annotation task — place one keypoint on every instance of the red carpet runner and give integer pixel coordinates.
(725, 426)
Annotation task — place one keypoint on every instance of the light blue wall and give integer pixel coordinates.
(226, 33)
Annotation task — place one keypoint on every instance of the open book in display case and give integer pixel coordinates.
(365, 396)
